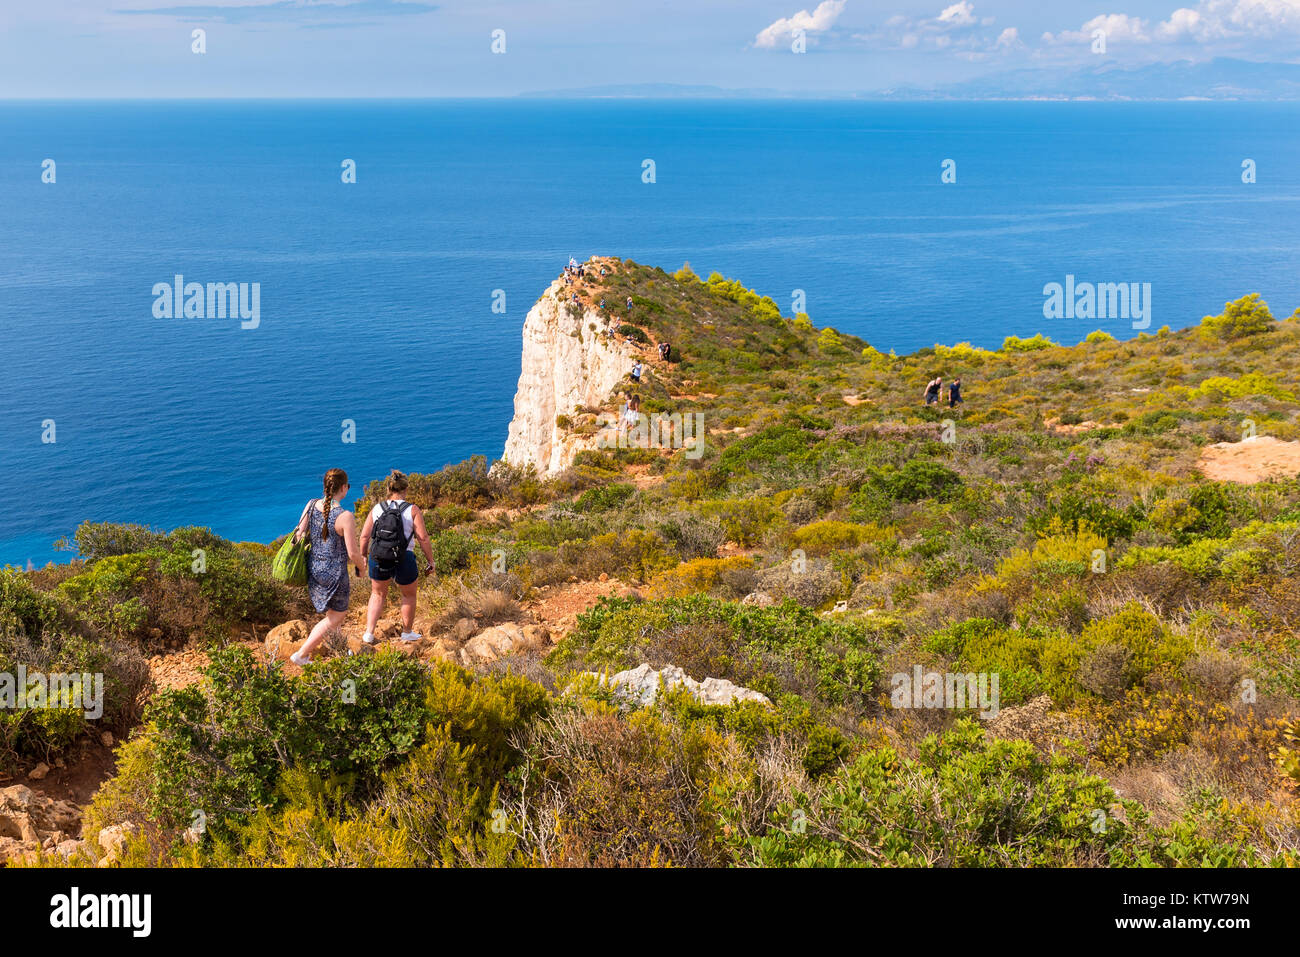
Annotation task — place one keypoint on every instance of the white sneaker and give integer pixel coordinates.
(368, 638)
(300, 662)
(411, 636)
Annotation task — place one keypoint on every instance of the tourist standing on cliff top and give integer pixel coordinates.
(333, 532)
(386, 540)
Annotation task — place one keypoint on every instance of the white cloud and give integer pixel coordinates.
(1232, 19)
(1117, 27)
(1008, 39)
(956, 28)
(1207, 22)
(959, 14)
(819, 21)
(1183, 24)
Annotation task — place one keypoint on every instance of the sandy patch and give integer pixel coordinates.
(1251, 461)
(1056, 425)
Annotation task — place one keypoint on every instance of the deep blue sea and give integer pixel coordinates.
(375, 297)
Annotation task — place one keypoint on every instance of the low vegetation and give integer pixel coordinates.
(1142, 622)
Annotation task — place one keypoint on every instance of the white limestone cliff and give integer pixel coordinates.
(568, 363)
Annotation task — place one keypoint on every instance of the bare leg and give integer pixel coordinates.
(378, 595)
(331, 622)
(408, 605)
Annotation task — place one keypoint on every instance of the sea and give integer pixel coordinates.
(908, 224)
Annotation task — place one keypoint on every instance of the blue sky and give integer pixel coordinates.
(142, 48)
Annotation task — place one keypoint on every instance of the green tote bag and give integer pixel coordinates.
(290, 564)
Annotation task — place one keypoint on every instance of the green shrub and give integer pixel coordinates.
(920, 479)
(95, 540)
(982, 645)
(40, 634)
(967, 801)
(190, 583)
(222, 746)
(604, 497)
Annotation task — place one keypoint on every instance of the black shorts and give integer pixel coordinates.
(406, 570)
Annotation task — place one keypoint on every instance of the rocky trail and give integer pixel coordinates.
(546, 617)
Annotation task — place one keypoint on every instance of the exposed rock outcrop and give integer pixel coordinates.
(285, 639)
(568, 363)
(640, 686)
(30, 822)
(502, 640)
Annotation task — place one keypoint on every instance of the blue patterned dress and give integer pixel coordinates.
(327, 572)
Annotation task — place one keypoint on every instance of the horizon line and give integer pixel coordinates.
(836, 98)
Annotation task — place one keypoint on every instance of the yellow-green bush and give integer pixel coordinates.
(1247, 316)
(1032, 344)
(1142, 644)
(744, 521)
(1288, 754)
(1058, 552)
(1221, 388)
(823, 537)
(962, 352)
(697, 575)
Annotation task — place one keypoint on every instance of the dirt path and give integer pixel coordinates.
(641, 477)
(1253, 460)
(558, 606)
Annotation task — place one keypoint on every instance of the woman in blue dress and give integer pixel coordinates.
(333, 532)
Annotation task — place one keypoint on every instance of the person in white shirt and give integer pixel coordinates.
(394, 560)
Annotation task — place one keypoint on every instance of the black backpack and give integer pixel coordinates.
(388, 538)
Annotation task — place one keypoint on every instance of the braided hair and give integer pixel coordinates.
(335, 479)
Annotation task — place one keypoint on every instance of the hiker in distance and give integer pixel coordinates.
(632, 413)
(954, 394)
(333, 532)
(933, 388)
(386, 541)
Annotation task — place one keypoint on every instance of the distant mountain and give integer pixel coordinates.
(1219, 79)
(1222, 78)
(664, 91)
